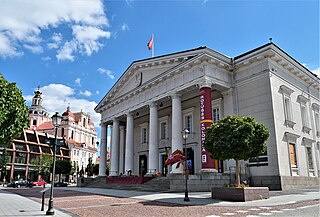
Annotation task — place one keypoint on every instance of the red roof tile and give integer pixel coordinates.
(45, 126)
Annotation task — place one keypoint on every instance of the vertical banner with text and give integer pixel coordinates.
(205, 121)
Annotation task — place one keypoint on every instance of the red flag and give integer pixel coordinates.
(176, 157)
(150, 43)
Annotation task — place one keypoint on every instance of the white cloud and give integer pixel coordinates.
(106, 72)
(78, 81)
(316, 71)
(56, 41)
(86, 93)
(57, 96)
(97, 92)
(22, 25)
(65, 52)
(46, 58)
(125, 27)
(36, 49)
(7, 48)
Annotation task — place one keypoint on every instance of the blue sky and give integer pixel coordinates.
(76, 50)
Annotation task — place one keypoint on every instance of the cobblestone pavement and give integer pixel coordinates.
(86, 204)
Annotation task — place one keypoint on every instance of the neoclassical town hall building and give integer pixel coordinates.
(157, 98)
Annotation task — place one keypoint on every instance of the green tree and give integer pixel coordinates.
(14, 116)
(4, 159)
(238, 138)
(96, 169)
(90, 167)
(45, 166)
(63, 167)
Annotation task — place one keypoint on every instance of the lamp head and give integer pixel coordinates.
(185, 133)
(56, 119)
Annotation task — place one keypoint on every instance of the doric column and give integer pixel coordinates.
(121, 150)
(114, 149)
(205, 121)
(103, 147)
(176, 128)
(153, 165)
(129, 144)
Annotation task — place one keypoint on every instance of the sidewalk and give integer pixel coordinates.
(204, 198)
(16, 205)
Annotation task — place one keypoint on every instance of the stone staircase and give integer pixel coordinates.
(157, 184)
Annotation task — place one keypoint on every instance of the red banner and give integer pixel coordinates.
(205, 121)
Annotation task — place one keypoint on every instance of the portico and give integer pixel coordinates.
(157, 98)
(146, 110)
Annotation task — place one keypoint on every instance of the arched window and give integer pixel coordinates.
(72, 134)
(34, 122)
(62, 132)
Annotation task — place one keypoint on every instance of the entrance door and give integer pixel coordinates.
(164, 171)
(143, 166)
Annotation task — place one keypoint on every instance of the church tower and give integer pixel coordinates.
(37, 113)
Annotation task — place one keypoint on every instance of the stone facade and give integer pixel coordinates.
(156, 98)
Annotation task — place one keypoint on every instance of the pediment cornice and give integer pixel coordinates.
(185, 62)
(275, 54)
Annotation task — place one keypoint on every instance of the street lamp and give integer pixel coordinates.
(185, 134)
(56, 120)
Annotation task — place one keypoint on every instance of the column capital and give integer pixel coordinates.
(153, 104)
(205, 83)
(175, 95)
(121, 127)
(129, 113)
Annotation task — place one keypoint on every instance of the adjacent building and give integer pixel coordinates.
(76, 128)
(25, 154)
(157, 98)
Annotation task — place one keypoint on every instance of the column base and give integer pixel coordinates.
(208, 170)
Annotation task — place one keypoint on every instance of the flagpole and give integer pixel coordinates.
(153, 45)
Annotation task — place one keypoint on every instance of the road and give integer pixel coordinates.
(88, 204)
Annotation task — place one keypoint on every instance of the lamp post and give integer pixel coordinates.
(56, 120)
(185, 134)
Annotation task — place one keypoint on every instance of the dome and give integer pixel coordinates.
(68, 112)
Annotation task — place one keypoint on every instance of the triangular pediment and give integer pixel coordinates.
(140, 74)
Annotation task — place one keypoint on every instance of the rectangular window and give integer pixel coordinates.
(317, 120)
(304, 115)
(163, 130)
(216, 114)
(144, 134)
(293, 157)
(287, 105)
(309, 156)
(287, 108)
(188, 122)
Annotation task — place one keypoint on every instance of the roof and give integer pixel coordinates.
(73, 142)
(45, 126)
(266, 45)
(68, 112)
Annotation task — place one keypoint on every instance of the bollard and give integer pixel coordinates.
(42, 202)
(42, 206)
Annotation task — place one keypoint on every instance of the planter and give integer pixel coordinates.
(240, 194)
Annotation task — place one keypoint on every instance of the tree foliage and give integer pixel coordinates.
(89, 167)
(4, 160)
(45, 166)
(63, 167)
(96, 169)
(235, 137)
(14, 115)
